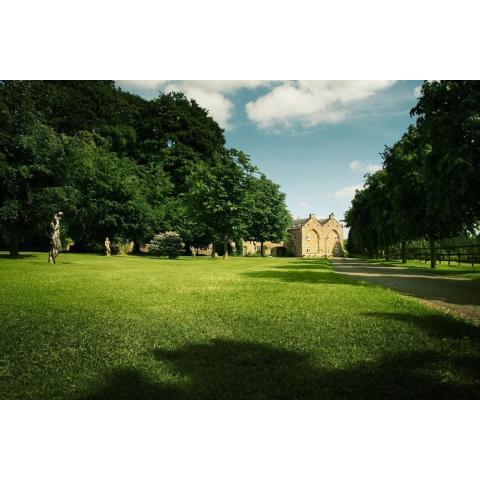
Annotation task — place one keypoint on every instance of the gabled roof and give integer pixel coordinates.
(300, 222)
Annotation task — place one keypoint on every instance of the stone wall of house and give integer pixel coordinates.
(294, 242)
(316, 237)
(251, 247)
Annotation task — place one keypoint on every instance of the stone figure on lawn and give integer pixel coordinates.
(55, 243)
(108, 250)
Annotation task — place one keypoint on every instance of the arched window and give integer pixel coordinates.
(314, 241)
(336, 244)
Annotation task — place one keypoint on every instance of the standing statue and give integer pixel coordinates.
(108, 250)
(55, 243)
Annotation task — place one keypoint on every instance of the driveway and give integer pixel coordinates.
(457, 294)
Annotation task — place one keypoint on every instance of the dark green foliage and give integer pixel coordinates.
(403, 164)
(361, 239)
(381, 209)
(449, 120)
(116, 164)
(429, 185)
(371, 217)
(268, 214)
(218, 196)
(113, 198)
(173, 120)
(34, 179)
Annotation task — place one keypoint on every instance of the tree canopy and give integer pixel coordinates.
(268, 215)
(119, 166)
(431, 175)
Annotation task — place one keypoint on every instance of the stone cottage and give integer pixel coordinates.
(315, 237)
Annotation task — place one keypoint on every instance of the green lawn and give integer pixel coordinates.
(143, 327)
(443, 268)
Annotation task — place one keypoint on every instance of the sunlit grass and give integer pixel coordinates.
(144, 327)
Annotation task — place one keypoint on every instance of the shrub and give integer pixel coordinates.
(167, 244)
(239, 247)
(120, 246)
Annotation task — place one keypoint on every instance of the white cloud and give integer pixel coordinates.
(347, 193)
(303, 202)
(222, 86)
(372, 167)
(218, 106)
(364, 167)
(310, 102)
(356, 166)
(146, 88)
(210, 94)
(417, 92)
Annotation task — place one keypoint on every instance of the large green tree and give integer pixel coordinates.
(117, 165)
(371, 215)
(115, 197)
(171, 120)
(380, 204)
(449, 121)
(218, 196)
(33, 173)
(404, 167)
(269, 217)
(362, 238)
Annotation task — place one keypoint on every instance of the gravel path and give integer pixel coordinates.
(454, 293)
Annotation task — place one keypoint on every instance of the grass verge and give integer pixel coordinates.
(443, 268)
(142, 327)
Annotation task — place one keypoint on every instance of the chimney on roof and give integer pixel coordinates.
(312, 215)
(331, 216)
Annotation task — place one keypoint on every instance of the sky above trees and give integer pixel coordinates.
(316, 139)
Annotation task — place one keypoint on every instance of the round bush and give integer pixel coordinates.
(167, 244)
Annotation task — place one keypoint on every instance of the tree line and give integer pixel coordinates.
(429, 185)
(123, 167)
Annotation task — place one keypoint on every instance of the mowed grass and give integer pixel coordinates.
(454, 269)
(92, 327)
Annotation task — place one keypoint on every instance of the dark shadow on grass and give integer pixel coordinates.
(130, 384)
(304, 266)
(227, 369)
(59, 262)
(437, 325)
(301, 276)
(310, 259)
(452, 269)
(21, 256)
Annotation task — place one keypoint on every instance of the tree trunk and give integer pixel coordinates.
(225, 249)
(404, 251)
(387, 253)
(189, 249)
(262, 253)
(136, 247)
(433, 260)
(13, 245)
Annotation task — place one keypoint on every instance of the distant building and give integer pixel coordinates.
(315, 237)
(308, 237)
(252, 247)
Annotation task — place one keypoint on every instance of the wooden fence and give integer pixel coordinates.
(466, 254)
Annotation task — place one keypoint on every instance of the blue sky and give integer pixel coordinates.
(316, 139)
